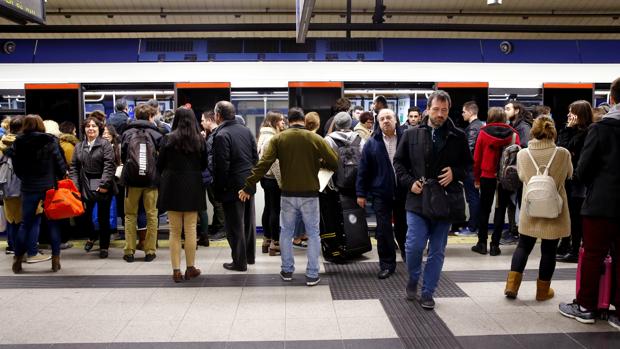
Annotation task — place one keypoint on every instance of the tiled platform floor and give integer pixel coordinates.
(93, 303)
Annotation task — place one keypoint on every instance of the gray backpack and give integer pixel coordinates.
(10, 185)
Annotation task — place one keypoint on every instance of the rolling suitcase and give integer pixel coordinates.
(355, 240)
(604, 287)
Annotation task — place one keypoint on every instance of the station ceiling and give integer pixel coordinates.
(514, 19)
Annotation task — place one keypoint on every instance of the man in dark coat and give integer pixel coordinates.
(375, 176)
(234, 155)
(119, 118)
(598, 169)
(470, 115)
(435, 151)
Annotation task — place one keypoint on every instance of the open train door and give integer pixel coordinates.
(315, 96)
(558, 96)
(463, 92)
(58, 102)
(202, 96)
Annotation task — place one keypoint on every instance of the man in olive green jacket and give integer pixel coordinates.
(301, 153)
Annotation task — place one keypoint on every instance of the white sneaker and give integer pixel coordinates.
(39, 257)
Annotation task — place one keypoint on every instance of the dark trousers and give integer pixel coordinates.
(547, 258)
(503, 200)
(576, 224)
(103, 217)
(599, 234)
(487, 194)
(241, 231)
(472, 195)
(203, 228)
(386, 247)
(271, 212)
(218, 211)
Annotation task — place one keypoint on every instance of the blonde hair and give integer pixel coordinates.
(544, 128)
(6, 122)
(51, 127)
(313, 121)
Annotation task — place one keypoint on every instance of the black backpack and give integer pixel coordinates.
(349, 156)
(140, 168)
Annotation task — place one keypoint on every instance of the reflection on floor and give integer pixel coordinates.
(94, 303)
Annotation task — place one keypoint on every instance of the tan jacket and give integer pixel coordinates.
(560, 170)
(362, 131)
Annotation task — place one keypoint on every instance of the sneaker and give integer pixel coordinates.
(39, 257)
(614, 321)
(286, 275)
(480, 247)
(568, 258)
(128, 258)
(220, 235)
(509, 239)
(466, 232)
(300, 245)
(149, 257)
(9, 250)
(88, 245)
(412, 292)
(427, 302)
(494, 250)
(574, 311)
(312, 281)
(65, 245)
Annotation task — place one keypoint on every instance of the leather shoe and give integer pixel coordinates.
(232, 266)
(385, 273)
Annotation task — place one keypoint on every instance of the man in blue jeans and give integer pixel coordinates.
(301, 153)
(433, 151)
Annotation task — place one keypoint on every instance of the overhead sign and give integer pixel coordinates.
(23, 11)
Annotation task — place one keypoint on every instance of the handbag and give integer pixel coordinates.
(64, 201)
(435, 203)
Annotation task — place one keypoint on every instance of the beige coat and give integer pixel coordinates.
(362, 131)
(560, 170)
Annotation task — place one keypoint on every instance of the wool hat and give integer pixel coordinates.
(342, 121)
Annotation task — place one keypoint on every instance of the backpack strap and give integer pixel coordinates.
(356, 142)
(546, 173)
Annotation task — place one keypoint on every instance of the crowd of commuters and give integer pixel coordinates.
(417, 176)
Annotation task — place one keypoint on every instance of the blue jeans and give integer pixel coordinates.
(420, 230)
(473, 199)
(306, 209)
(29, 230)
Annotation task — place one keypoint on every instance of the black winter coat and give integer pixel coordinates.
(599, 169)
(573, 139)
(87, 167)
(38, 161)
(414, 159)
(180, 184)
(119, 120)
(234, 155)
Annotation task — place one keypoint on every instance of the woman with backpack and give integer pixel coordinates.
(572, 137)
(182, 159)
(542, 163)
(92, 170)
(273, 124)
(487, 153)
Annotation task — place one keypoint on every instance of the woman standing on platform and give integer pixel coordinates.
(542, 150)
(273, 124)
(92, 170)
(572, 137)
(182, 158)
(39, 163)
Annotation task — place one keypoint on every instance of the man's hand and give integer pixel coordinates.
(102, 190)
(243, 196)
(446, 177)
(477, 185)
(416, 188)
(361, 202)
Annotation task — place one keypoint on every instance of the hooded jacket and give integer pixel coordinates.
(491, 141)
(38, 161)
(67, 143)
(598, 167)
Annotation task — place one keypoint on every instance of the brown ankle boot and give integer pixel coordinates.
(17, 264)
(191, 272)
(55, 263)
(265, 245)
(544, 290)
(274, 248)
(512, 284)
(141, 238)
(177, 276)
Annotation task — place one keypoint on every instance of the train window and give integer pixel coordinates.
(12, 102)
(254, 105)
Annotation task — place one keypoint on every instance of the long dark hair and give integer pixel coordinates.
(185, 136)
